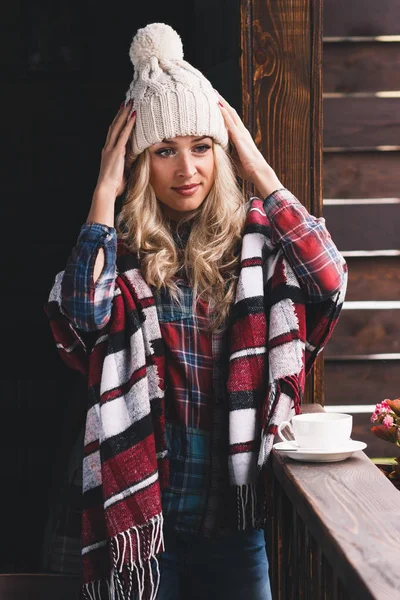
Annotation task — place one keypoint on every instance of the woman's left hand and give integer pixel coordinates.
(250, 163)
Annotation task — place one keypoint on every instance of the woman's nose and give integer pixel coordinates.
(186, 167)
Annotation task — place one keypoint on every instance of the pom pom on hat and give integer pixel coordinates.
(171, 98)
(156, 39)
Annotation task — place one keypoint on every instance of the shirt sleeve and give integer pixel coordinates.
(85, 303)
(307, 245)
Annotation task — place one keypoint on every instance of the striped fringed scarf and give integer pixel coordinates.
(275, 337)
(125, 466)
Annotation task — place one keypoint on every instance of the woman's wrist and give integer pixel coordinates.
(105, 193)
(102, 207)
(266, 181)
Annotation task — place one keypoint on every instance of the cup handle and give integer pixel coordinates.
(282, 426)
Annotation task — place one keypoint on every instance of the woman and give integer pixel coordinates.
(206, 316)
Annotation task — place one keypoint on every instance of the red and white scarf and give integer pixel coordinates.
(125, 465)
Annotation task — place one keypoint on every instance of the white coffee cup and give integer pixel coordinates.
(318, 430)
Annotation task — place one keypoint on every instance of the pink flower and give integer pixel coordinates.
(382, 407)
(388, 421)
(374, 417)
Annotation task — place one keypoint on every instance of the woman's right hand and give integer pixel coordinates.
(112, 167)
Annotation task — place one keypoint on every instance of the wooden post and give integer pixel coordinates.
(282, 102)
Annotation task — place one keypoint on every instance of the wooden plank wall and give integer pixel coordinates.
(361, 59)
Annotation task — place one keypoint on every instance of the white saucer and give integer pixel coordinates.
(341, 452)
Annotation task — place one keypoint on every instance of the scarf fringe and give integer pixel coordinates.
(131, 578)
(265, 449)
(246, 501)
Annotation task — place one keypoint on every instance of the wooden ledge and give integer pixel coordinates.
(352, 511)
(38, 586)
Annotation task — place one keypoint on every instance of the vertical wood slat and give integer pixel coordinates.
(301, 579)
(280, 520)
(328, 579)
(282, 102)
(275, 543)
(307, 564)
(316, 576)
(340, 591)
(293, 570)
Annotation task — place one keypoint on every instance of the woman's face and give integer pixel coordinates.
(177, 164)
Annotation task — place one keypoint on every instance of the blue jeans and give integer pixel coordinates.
(230, 567)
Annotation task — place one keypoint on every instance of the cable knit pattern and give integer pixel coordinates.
(170, 96)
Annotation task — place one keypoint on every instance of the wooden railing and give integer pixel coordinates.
(334, 532)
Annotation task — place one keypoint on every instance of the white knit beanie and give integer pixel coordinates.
(171, 98)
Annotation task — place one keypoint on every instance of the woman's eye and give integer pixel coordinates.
(164, 152)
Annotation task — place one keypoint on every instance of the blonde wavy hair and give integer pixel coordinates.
(210, 258)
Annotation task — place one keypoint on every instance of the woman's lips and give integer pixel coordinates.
(187, 191)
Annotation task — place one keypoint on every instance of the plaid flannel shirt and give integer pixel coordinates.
(197, 498)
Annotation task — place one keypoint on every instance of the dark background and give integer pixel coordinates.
(65, 72)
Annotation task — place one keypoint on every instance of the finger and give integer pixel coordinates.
(234, 114)
(118, 123)
(124, 108)
(126, 131)
(225, 103)
(229, 121)
(113, 123)
(121, 108)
